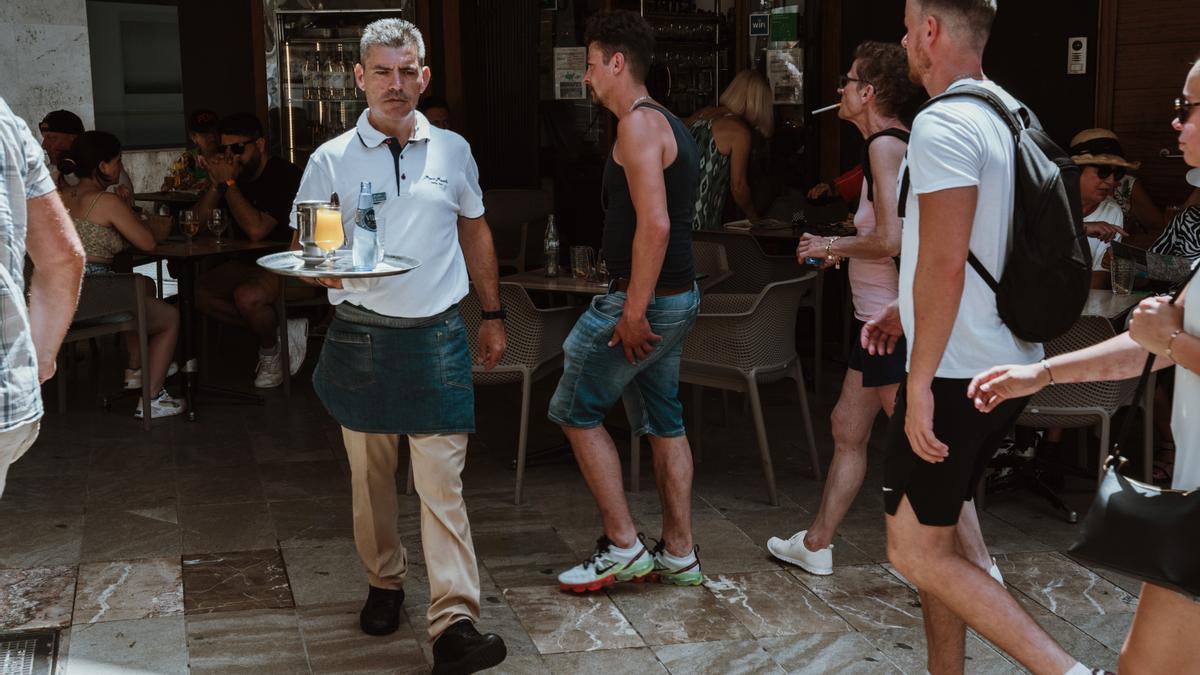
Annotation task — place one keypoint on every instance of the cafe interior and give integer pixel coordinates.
(221, 539)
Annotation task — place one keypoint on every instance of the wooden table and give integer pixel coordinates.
(536, 280)
(1109, 305)
(189, 256)
(176, 198)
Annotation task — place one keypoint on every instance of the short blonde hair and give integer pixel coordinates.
(749, 95)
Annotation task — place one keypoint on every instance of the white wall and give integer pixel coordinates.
(45, 61)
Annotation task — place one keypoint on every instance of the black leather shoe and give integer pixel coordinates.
(461, 649)
(381, 614)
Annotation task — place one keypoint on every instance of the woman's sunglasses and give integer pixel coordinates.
(1183, 108)
(1104, 171)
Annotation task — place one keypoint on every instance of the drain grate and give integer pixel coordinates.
(29, 653)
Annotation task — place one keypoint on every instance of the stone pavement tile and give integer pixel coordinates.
(41, 540)
(906, 648)
(128, 590)
(772, 604)
(664, 614)
(1002, 538)
(867, 596)
(524, 557)
(218, 485)
(40, 597)
(1109, 630)
(153, 645)
(639, 660)
(559, 622)
(252, 642)
(735, 656)
(210, 528)
(820, 653)
(230, 582)
(312, 522)
(299, 443)
(1063, 586)
(724, 548)
(303, 480)
(131, 489)
(126, 535)
(760, 526)
(867, 534)
(336, 644)
(41, 494)
(329, 573)
(1079, 644)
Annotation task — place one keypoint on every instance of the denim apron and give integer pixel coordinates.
(389, 375)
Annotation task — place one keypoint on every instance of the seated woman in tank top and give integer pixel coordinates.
(107, 226)
(879, 99)
(724, 134)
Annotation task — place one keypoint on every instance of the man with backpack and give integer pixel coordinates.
(962, 178)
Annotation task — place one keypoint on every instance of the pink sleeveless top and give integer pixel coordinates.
(873, 282)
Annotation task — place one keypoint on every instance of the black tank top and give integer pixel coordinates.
(682, 179)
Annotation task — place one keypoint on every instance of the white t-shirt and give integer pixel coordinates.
(418, 199)
(1185, 418)
(957, 143)
(1109, 211)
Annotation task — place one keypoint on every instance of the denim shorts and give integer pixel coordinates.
(596, 375)
(378, 378)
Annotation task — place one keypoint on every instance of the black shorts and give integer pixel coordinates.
(879, 370)
(937, 491)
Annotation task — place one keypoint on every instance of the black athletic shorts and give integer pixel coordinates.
(879, 370)
(937, 491)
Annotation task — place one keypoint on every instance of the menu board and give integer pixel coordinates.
(570, 64)
(785, 71)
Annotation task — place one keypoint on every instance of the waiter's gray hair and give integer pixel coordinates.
(394, 33)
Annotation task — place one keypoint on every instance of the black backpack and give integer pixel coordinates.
(1044, 285)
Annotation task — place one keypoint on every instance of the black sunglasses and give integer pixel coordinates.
(846, 79)
(1183, 108)
(1105, 170)
(237, 148)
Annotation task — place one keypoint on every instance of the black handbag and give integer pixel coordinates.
(1140, 530)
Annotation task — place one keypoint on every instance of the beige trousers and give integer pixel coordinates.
(437, 462)
(13, 444)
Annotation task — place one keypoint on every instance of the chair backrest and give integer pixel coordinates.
(106, 295)
(511, 214)
(1087, 331)
(710, 261)
(523, 327)
(764, 337)
(752, 268)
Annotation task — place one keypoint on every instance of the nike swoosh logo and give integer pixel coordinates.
(888, 489)
(602, 571)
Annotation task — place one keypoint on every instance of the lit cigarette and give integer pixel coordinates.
(827, 108)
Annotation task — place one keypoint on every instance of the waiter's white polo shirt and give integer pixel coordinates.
(419, 195)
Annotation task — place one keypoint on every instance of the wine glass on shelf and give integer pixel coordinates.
(189, 224)
(328, 233)
(217, 224)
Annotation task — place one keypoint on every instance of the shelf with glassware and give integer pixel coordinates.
(320, 98)
(692, 55)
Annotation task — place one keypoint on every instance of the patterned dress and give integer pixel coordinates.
(714, 177)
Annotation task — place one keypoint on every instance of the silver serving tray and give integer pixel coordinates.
(292, 264)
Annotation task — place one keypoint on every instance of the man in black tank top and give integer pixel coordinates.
(629, 341)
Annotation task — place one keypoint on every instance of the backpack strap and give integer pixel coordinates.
(866, 155)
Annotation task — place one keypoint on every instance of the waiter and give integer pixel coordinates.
(396, 359)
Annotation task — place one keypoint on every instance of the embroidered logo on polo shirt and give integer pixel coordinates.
(436, 180)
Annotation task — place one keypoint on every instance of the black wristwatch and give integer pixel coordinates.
(498, 314)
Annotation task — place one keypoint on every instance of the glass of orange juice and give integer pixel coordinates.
(328, 233)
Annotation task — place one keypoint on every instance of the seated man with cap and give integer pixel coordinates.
(59, 129)
(1102, 163)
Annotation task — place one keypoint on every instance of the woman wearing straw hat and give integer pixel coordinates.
(1102, 161)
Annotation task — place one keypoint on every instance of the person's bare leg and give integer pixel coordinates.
(597, 457)
(214, 292)
(255, 300)
(929, 558)
(970, 537)
(852, 419)
(673, 476)
(163, 325)
(1163, 636)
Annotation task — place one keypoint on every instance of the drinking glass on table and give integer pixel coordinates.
(217, 224)
(189, 224)
(329, 233)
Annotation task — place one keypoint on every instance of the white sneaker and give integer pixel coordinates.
(297, 333)
(994, 571)
(269, 372)
(133, 376)
(795, 552)
(161, 406)
(607, 566)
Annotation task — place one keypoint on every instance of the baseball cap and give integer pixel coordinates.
(61, 121)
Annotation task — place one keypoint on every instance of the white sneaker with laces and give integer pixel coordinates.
(608, 565)
(794, 551)
(297, 333)
(133, 376)
(269, 372)
(162, 405)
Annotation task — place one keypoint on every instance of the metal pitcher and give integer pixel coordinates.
(306, 221)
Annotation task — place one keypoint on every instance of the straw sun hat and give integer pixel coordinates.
(1099, 146)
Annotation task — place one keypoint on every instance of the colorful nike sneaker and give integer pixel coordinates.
(669, 569)
(608, 565)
